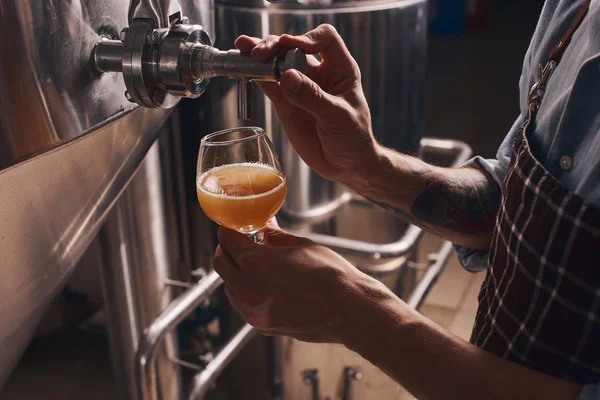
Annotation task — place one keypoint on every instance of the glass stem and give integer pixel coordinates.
(257, 236)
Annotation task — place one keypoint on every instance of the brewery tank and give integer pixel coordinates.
(388, 40)
(70, 143)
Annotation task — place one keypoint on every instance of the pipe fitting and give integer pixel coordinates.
(160, 66)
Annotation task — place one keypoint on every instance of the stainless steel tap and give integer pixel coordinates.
(161, 65)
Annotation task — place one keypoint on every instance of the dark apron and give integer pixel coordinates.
(539, 304)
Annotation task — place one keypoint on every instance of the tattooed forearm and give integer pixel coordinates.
(405, 216)
(467, 205)
(463, 201)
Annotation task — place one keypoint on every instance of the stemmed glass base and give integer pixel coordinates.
(257, 235)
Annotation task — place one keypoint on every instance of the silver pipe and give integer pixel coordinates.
(204, 62)
(205, 379)
(319, 212)
(136, 261)
(413, 234)
(430, 277)
(461, 150)
(210, 62)
(108, 55)
(244, 99)
(372, 250)
(175, 70)
(174, 314)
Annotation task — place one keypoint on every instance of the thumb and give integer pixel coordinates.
(235, 244)
(303, 92)
(273, 223)
(273, 236)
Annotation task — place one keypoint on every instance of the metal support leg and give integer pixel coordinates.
(430, 277)
(148, 355)
(205, 379)
(350, 376)
(311, 378)
(135, 267)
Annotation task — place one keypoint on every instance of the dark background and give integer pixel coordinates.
(472, 78)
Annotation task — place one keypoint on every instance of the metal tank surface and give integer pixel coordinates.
(388, 40)
(70, 141)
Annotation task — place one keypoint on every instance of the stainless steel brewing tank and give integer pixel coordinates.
(69, 144)
(388, 40)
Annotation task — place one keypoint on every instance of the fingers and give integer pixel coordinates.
(266, 48)
(288, 113)
(227, 269)
(303, 92)
(274, 236)
(273, 223)
(236, 245)
(273, 92)
(255, 315)
(234, 300)
(245, 44)
(259, 49)
(297, 123)
(323, 40)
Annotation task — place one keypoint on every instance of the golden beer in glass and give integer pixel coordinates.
(239, 181)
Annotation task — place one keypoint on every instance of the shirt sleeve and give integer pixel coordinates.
(590, 392)
(472, 260)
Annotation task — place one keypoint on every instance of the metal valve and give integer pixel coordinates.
(350, 375)
(162, 65)
(310, 378)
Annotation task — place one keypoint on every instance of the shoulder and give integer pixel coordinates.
(554, 21)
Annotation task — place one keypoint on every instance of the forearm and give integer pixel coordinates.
(458, 204)
(434, 364)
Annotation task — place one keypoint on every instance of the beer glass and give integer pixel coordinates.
(239, 181)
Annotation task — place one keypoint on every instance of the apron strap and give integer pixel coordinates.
(558, 50)
(556, 54)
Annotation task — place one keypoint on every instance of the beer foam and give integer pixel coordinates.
(202, 180)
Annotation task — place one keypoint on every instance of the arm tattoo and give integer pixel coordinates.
(467, 205)
(403, 215)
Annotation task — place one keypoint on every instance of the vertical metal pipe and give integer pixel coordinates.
(205, 379)
(178, 225)
(244, 99)
(177, 311)
(135, 266)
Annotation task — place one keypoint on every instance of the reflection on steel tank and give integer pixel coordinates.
(388, 40)
(70, 143)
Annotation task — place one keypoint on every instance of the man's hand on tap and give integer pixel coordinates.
(327, 120)
(325, 114)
